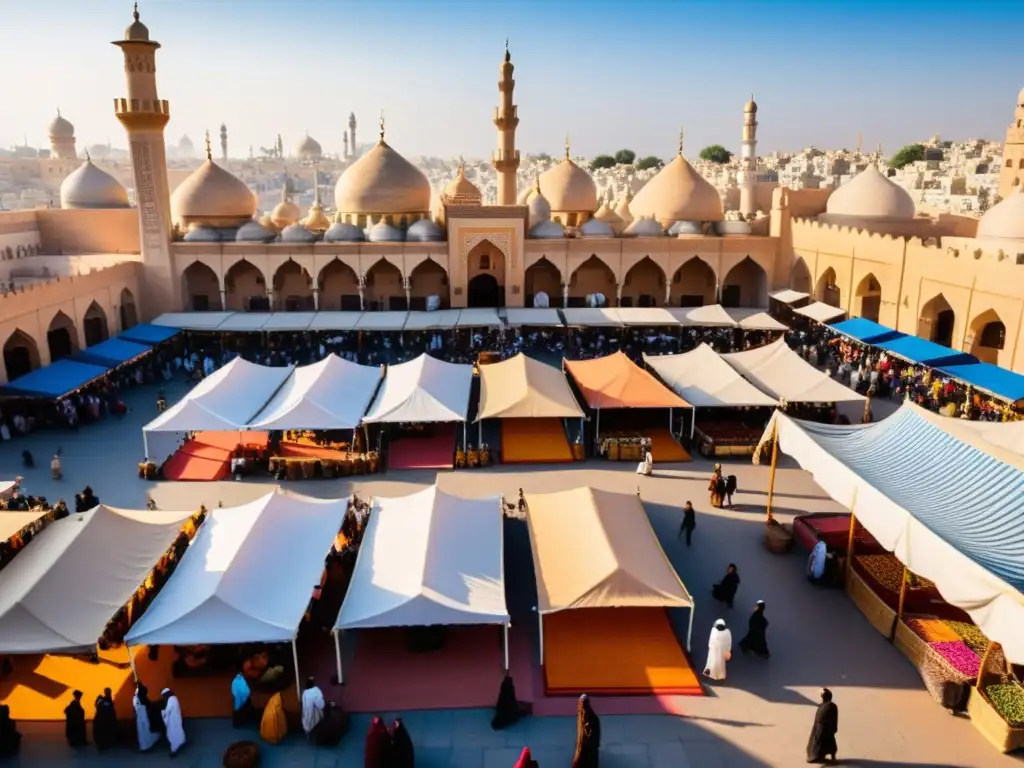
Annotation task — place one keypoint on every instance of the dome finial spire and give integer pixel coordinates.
(209, 147)
(88, 159)
(508, 55)
(681, 136)
(567, 146)
(382, 126)
(135, 12)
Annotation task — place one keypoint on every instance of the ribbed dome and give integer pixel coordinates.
(547, 230)
(642, 227)
(461, 187)
(1004, 221)
(870, 195)
(296, 233)
(90, 187)
(60, 128)
(424, 231)
(308, 149)
(678, 193)
(382, 182)
(596, 228)
(212, 196)
(343, 232)
(569, 188)
(382, 232)
(254, 232)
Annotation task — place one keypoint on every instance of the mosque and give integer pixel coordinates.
(391, 242)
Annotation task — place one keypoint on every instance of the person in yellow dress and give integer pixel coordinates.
(274, 725)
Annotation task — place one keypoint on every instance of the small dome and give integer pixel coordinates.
(643, 228)
(61, 128)
(870, 195)
(569, 188)
(596, 228)
(622, 208)
(750, 106)
(685, 228)
(212, 196)
(285, 213)
(382, 181)
(678, 193)
(268, 223)
(201, 234)
(609, 217)
(462, 188)
(90, 187)
(342, 232)
(136, 31)
(1005, 220)
(1020, 98)
(424, 231)
(316, 220)
(547, 230)
(308, 149)
(254, 232)
(524, 196)
(538, 205)
(296, 233)
(382, 232)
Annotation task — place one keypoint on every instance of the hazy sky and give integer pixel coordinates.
(610, 74)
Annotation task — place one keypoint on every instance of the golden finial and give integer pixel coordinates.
(88, 159)
(508, 56)
(567, 146)
(58, 111)
(382, 126)
(536, 183)
(209, 148)
(680, 140)
(135, 12)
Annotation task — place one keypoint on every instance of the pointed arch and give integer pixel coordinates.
(384, 289)
(201, 288)
(868, 297)
(592, 276)
(745, 285)
(827, 291)
(94, 325)
(339, 287)
(937, 321)
(21, 354)
(800, 276)
(245, 288)
(428, 278)
(543, 277)
(293, 288)
(485, 259)
(643, 285)
(694, 284)
(988, 337)
(61, 336)
(129, 315)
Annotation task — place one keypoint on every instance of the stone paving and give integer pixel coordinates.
(760, 716)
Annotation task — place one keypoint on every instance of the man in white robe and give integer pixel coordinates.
(312, 706)
(172, 721)
(816, 562)
(146, 736)
(719, 651)
(646, 467)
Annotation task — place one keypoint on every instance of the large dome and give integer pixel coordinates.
(308, 149)
(870, 195)
(382, 182)
(212, 196)
(1004, 221)
(61, 128)
(90, 187)
(569, 188)
(678, 193)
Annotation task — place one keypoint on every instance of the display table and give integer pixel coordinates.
(726, 438)
(625, 447)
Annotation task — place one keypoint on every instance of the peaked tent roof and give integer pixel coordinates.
(705, 380)
(330, 394)
(225, 400)
(780, 372)
(866, 331)
(755, 319)
(918, 350)
(113, 352)
(615, 381)
(223, 590)
(13, 522)
(429, 559)
(522, 387)
(596, 549)
(820, 311)
(707, 316)
(788, 296)
(949, 511)
(54, 380)
(423, 390)
(62, 590)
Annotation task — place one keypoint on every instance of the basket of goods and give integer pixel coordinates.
(996, 706)
(242, 754)
(947, 686)
(778, 537)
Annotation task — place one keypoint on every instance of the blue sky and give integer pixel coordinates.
(610, 74)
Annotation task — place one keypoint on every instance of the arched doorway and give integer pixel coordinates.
(869, 297)
(427, 279)
(384, 287)
(293, 288)
(643, 285)
(94, 324)
(694, 284)
(129, 316)
(937, 321)
(592, 276)
(745, 285)
(543, 277)
(245, 288)
(61, 337)
(988, 337)
(339, 287)
(201, 288)
(826, 291)
(800, 276)
(21, 355)
(485, 260)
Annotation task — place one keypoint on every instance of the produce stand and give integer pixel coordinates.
(716, 439)
(996, 683)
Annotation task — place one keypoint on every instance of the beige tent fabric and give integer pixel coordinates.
(1003, 440)
(596, 549)
(12, 522)
(524, 388)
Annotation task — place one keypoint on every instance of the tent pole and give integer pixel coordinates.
(131, 661)
(849, 548)
(298, 679)
(337, 655)
(540, 635)
(693, 423)
(597, 430)
(670, 421)
(689, 628)
(506, 647)
(899, 607)
(479, 433)
(465, 443)
(145, 443)
(771, 474)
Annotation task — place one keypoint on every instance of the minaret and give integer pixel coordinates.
(224, 143)
(1011, 176)
(748, 160)
(352, 134)
(144, 115)
(506, 118)
(345, 156)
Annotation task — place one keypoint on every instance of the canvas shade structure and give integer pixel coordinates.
(646, 316)
(289, 321)
(705, 380)
(60, 592)
(331, 394)
(708, 316)
(924, 352)
(755, 320)
(382, 321)
(193, 321)
(821, 312)
(866, 331)
(11, 523)
(537, 316)
(479, 318)
(421, 391)
(245, 321)
(441, 319)
(1003, 440)
(586, 317)
(55, 380)
(522, 387)
(144, 333)
(992, 379)
(950, 512)
(596, 549)
(778, 371)
(113, 352)
(615, 381)
(788, 296)
(329, 320)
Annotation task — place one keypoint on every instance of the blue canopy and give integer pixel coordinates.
(997, 381)
(149, 334)
(54, 380)
(112, 353)
(924, 352)
(866, 331)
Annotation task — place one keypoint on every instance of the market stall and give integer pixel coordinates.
(778, 371)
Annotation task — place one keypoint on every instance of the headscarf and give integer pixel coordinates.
(525, 759)
(378, 745)
(403, 755)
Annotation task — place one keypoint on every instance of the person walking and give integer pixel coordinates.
(719, 651)
(822, 743)
(725, 590)
(74, 721)
(755, 640)
(689, 522)
(588, 735)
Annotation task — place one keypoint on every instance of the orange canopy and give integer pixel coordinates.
(615, 381)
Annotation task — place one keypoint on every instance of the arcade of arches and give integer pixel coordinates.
(694, 284)
(94, 324)
(987, 337)
(592, 276)
(61, 337)
(200, 288)
(21, 355)
(427, 279)
(543, 277)
(826, 291)
(643, 285)
(868, 297)
(384, 289)
(937, 321)
(338, 287)
(245, 288)
(745, 285)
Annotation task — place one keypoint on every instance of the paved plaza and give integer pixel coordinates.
(760, 716)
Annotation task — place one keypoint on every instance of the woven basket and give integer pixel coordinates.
(878, 614)
(987, 719)
(242, 754)
(909, 644)
(778, 537)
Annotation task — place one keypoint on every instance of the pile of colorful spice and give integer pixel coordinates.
(933, 630)
(1008, 700)
(971, 635)
(887, 570)
(959, 656)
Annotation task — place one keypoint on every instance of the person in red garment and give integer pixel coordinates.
(526, 760)
(377, 753)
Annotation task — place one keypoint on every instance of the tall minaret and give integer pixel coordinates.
(224, 143)
(1010, 175)
(352, 133)
(506, 118)
(345, 156)
(748, 160)
(144, 115)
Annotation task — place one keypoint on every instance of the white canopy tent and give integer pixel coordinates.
(780, 372)
(422, 390)
(441, 319)
(582, 317)
(482, 317)
(821, 312)
(193, 321)
(708, 316)
(788, 296)
(382, 321)
(330, 320)
(428, 559)
(331, 394)
(245, 321)
(289, 321)
(59, 593)
(646, 316)
(755, 320)
(538, 316)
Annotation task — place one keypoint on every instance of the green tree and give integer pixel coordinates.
(625, 157)
(649, 162)
(602, 161)
(716, 153)
(911, 153)
(983, 203)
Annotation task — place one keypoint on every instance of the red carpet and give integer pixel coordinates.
(432, 449)
(207, 456)
(182, 466)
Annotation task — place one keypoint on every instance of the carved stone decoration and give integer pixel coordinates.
(145, 194)
(503, 242)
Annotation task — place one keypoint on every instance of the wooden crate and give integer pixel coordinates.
(909, 644)
(986, 719)
(878, 614)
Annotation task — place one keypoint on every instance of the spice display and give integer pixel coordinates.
(959, 656)
(933, 630)
(887, 570)
(1008, 700)
(970, 634)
